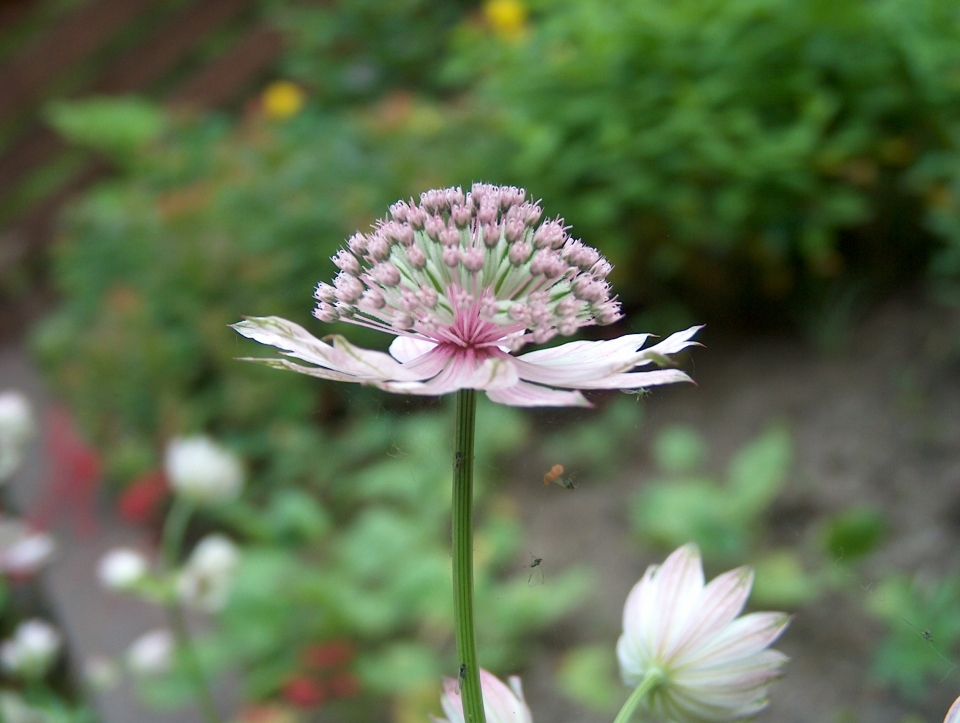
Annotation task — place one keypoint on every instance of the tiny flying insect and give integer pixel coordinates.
(555, 475)
(462, 676)
(536, 572)
(927, 635)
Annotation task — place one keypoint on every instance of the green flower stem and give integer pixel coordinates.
(174, 528)
(463, 557)
(650, 682)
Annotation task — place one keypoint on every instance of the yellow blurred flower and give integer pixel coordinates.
(508, 18)
(282, 99)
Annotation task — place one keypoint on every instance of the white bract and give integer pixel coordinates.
(501, 703)
(32, 650)
(151, 653)
(23, 550)
(464, 281)
(712, 665)
(953, 715)
(206, 579)
(202, 470)
(17, 427)
(122, 568)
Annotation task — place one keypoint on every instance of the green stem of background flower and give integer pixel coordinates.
(471, 696)
(650, 682)
(174, 528)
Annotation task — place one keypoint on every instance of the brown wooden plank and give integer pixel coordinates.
(136, 70)
(216, 84)
(12, 12)
(25, 77)
(221, 80)
(149, 62)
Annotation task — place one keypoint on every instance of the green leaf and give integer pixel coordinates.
(117, 126)
(757, 472)
(588, 675)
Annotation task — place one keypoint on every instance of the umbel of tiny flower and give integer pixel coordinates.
(501, 703)
(710, 664)
(464, 281)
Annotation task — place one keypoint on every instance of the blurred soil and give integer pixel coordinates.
(877, 423)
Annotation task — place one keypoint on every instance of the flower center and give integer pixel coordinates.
(470, 269)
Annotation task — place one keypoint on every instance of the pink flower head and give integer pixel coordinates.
(464, 281)
(953, 715)
(501, 703)
(714, 665)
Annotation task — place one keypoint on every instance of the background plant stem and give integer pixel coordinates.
(173, 531)
(466, 413)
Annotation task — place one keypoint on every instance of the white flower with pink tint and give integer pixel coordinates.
(953, 715)
(464, 281)
(23, 550)
(711, 665)
(501, 703)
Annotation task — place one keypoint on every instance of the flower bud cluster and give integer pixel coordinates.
(468, 268)
(32, 650)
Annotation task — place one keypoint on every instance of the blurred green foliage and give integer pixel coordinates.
(923, 629)
(729, 151)
(723, 519)
(588, 675)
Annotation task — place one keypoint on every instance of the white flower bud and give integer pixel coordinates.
(32, 650)
(199, 468)
(17, 427)
(151, 653)
(23, 551)
(206, 579)
(121, 569)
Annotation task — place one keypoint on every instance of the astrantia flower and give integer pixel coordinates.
(464, 281)
(713, 665)
(23, 550)
(202, 470)
(953, 715)
(501, 703)
(32, 650)
(122, 568)
(206, 579)
(151, 653)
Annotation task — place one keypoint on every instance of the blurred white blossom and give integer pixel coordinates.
(206, 579)
(32, 650)
(202, 470)
(101, 672)
(23, 550)
(709, 664)
(121, 568)
(17, 427)
(501, 703)
(151, 653)
(953, 715)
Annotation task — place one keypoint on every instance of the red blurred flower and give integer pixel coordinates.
(140, 500)
(303, 692)
(344, 685)
(333, 654)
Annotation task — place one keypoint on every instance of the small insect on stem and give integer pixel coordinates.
(928, 636)
(536, 572)
(462, 676)
(555, 475)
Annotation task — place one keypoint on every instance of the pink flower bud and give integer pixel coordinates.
(451, 256)
(378, 248)
(450, 237)
(386, 274)
(520, 253)
(325, 292)
(416, 257)
(326, 313)
(348, 288)
(347, 262)
(472, 259)
(372, 300)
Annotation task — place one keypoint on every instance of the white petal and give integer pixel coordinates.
(320, 372)
(742, 638)
(572, 364)
(636, 380)
(679, 584)
(496, 373)
(720, 602)
(953, 715)
(407, 348)
(293, 340)
(522, 394)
